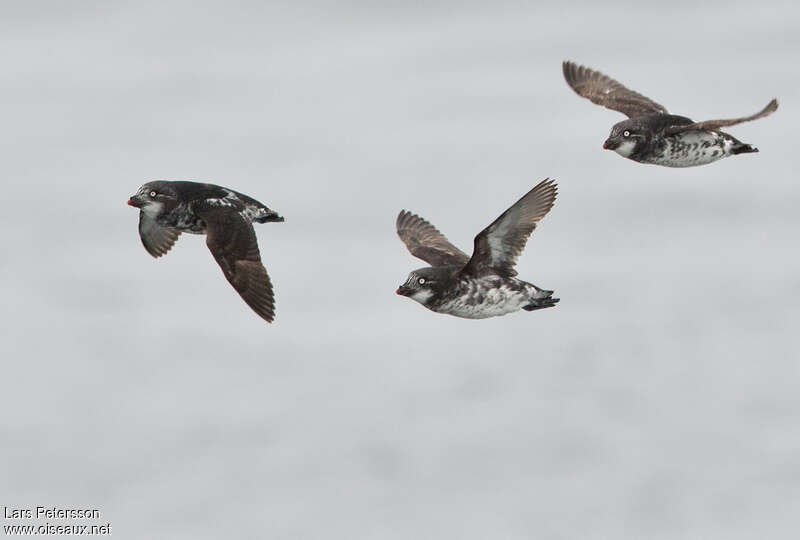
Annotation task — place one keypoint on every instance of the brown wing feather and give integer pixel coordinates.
(714, 125)
(425, 242)
(499, 245)
(157, 240)
(605, 91)
(232, 241)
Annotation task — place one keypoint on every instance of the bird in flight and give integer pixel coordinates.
(483, 285)
(166, 209)
(651, 134)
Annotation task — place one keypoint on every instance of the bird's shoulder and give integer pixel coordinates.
(217, 200)
(663, 122)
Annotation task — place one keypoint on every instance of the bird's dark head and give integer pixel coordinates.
(154, 197)
(626, 137)
(422, 284)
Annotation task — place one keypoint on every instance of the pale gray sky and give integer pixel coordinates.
(658, 400)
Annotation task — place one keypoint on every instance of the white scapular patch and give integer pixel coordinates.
(227, 200)
(626, 148)
(220, 202)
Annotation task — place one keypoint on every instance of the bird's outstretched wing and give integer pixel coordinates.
(714, 125)
(498, 245)
(157, 240)
(425, 242)
(232, 241)
(605, 91)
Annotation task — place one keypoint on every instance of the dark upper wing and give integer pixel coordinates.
(713, 125)
(605, 91)
(498, 245)
(426, 243)
(157, 240)
(232, 241)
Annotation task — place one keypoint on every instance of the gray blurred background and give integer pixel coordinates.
(659, 399)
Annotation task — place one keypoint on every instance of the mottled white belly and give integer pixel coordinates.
(495, 301)
(694, 148)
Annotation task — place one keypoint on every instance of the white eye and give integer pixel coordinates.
(421, 281)
(626, 133)
(152, 193)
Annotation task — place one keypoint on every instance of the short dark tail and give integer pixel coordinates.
(742, 148)
(541, 303)
(270, 216)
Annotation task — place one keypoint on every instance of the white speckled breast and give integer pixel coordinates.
(693, 148)
(488, 297)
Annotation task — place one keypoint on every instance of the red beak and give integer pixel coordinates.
(403, 290)
(610, 144)
(135, 203)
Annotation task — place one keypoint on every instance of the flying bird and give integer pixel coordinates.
(225, 216)
(651, 134)
(483, 285)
